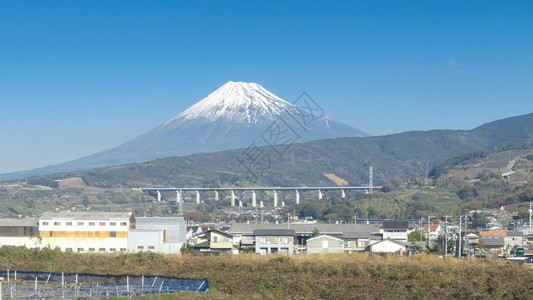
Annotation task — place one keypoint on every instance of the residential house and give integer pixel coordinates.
(514, 238)
(244, 232)
(494, 245)
(359, 241)
(274, 241)
(395, 230)
(324, 244)
(214, 241)
(434, 231)
(387, 246)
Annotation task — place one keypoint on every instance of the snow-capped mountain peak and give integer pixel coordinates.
(238, 102)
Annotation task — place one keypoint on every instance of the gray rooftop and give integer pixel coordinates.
(515, 233)
(159, 220)
(274, 232)
(85, 215)
(395, 225)
(305, 229)
(19, 223)
(492, 242)
(356, 235)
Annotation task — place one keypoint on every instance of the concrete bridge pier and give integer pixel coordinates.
(179, 196)
(254, 198)
(216, 195)
(240, 198)
(319, 195)
(343, 194)
(197, 197)
(261, 204)
(297, 197)
(158, 196)
(275, 198)
(232, 198)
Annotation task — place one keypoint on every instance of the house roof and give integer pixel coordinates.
(85, 215)
(492, 242)
(432, 227)
(356, 235)
(321, 237)
(305, 229)
(515, 233)
(219, 232)
(159, 220)
(274, 232)
(395, 225)
(19, 223)
(389, 240)
(492, 233)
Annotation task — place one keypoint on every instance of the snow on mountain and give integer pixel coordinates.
(234, 116)
(238, 102)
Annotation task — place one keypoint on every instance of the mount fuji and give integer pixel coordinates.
(236, 115)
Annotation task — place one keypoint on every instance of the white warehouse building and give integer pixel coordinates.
(86, 231)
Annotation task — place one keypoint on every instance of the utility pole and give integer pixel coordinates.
(460, 239)
(421, 229)
(466, 245)
(429, 217)
(530, 211)
(446, 236)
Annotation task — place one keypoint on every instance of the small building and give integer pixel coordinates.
(85, 231)
(274, 241)
(493, 245)
(358, 241)
(324, 244)
(157, 234)
(514, 238)
(19, 232)
(434, 231)
(395, 230)
(214, 241)
(387, 246)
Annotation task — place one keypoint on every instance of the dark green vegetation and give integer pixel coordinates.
(357, 276)
(466, 173)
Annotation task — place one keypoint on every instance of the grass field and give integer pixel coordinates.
(354, 276)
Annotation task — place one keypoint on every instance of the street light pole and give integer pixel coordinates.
(446, 236)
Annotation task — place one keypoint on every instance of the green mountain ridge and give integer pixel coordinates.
(402, 155)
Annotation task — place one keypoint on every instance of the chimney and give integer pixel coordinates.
(56, 210)
(73, 209)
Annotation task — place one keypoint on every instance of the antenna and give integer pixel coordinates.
(371, 180)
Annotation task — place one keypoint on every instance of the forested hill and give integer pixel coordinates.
(401, 155)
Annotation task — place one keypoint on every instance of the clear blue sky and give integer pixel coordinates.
(78, 77)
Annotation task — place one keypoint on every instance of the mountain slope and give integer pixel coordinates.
(235, 115)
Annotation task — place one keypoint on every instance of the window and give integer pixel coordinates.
(68, 249)
(91, 249)
(112, 234)
(112, 249)
(80, 249)
(57, 223)
(151, 247)
(45, 223)
(140, 247)
(112, 223)
(123, 249)
(324, 244)
(69, 223)
(123, 223)
(92, 223)
(80, 224)
(101, 249)
(101, 223)
(215, 239)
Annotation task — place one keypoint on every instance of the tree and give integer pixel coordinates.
(315, 233)
(414, 236)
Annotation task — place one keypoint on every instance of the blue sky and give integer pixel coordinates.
(78, 77)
